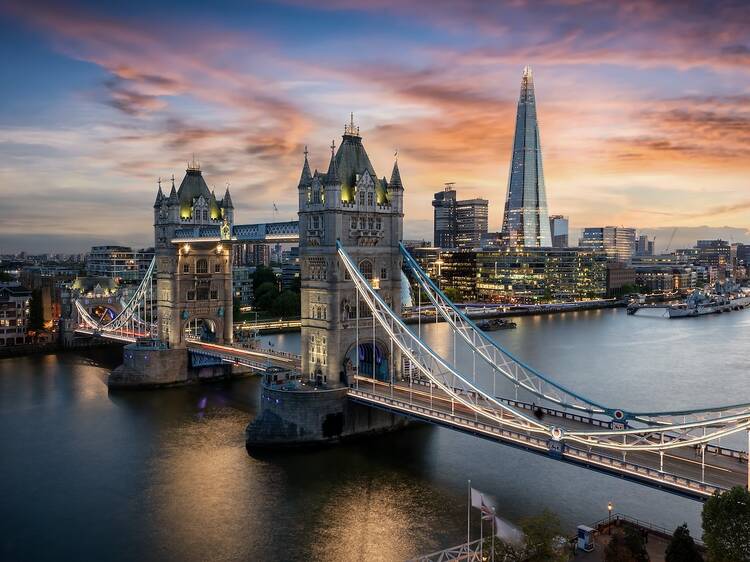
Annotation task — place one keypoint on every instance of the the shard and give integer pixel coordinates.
(526, 219)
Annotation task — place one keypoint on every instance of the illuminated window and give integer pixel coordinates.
(201, 266)
(186, 268)
(217, 267)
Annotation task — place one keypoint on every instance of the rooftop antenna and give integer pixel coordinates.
(395, 155)
(159, 182)
(333, 146)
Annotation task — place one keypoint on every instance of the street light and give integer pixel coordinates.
(609, 518)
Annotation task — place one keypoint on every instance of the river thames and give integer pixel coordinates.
(164, 475)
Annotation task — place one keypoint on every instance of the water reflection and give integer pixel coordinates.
(165, 476)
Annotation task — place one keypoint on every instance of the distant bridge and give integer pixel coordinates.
(262, 233)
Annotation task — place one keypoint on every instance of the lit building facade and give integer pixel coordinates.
(616, 242)
(14, 315)
(459, 223)
(558, 226)
(526, 219)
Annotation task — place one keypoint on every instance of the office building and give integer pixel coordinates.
(14, 315)
(526, 220)
(458, 223)
(616, 242)
(644, 246)
(558, 226)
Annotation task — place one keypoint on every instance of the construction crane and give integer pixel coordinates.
(671, 238)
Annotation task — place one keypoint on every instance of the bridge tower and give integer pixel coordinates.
(348, 203)
(194, 276)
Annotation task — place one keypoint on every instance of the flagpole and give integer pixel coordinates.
(481, 533)
(493, 535)
(468, 520)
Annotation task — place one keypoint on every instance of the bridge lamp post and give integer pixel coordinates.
(609, 517)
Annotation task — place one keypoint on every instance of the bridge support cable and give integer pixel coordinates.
(505, 364)
(136, 319)
(459, 390)
(431, 366)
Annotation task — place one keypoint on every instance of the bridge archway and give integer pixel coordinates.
(203, 329)
(373, 357)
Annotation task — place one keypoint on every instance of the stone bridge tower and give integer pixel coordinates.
(351, 204)
(194, 276)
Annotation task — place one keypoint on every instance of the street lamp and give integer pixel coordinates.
(609, 517)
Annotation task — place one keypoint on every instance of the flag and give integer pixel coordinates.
(482, 503)
(508, 532)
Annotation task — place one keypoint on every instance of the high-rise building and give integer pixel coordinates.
(526, 221)
(444, 224)
(644, 246)
(616, 242)
(558, 227)
(458, 223)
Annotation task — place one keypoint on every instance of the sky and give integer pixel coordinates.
(644, 108)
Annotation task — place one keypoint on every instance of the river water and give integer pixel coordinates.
(163, 475)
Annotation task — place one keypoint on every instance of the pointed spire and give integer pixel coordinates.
(227, 201)
(395, 177)
(332, 176)
(172, 200)
(305, 178)
(159, 195)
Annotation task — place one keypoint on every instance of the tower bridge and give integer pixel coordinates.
(361, 369)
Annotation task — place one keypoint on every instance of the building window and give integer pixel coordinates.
(383, 273)
(186, 268)
(217, 267)
(353, 223)
(369, 198)
(214, 294)
(202, 294)
(191, 295)
(361, 197)
(205, 215)
(365, 267)
(201, 266)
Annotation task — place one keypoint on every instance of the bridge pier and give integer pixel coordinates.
(151, 364)
(314, 416)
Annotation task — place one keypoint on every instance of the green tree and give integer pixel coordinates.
(726, 526)
(263, 275)
(635, 541)
(287, 304)
(617, 550)
(682, 547)
(36, 311)
(543, 533)
(265, 295)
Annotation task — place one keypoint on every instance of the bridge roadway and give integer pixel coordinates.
(258, 358)
(682, 471)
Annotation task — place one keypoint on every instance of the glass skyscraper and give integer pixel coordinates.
(526, 220)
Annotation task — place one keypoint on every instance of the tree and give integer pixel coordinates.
(265, 295)
(726, 526)
(682, 547)
(543, 532)
(287, 304)
(263, 275)
(36, 311)
(626, 545)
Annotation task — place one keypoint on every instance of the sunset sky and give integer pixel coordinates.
(644, 108)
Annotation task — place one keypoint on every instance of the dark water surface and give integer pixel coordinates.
(163, 475)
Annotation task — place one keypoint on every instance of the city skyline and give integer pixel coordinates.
(644, 109)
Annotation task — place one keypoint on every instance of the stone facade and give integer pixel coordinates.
(293, 418)
(350, 204)
(193, 278)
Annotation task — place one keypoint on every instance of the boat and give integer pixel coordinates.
(495, 324)
(698, 303)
